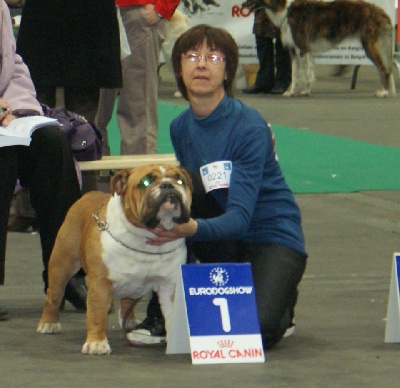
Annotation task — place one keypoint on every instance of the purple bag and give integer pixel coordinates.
(84, 138)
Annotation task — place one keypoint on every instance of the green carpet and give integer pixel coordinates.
(166, 113)
(316, 163)
(311, 162)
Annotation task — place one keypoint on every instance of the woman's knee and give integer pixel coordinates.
(49, 136)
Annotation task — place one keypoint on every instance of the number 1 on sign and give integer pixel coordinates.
(225, 318)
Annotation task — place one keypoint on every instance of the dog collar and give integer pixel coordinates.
(103, 226)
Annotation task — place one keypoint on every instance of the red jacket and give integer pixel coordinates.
(165, 8)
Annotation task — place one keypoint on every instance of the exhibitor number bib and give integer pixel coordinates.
(216, 175)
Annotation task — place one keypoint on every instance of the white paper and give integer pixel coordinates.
(19, 131)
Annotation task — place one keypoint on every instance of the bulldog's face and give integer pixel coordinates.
(154, 194)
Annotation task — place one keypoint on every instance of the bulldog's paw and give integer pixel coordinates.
(49, 328)
(100, 348)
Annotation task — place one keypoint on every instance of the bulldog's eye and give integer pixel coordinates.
(146, 181)
(180, 182)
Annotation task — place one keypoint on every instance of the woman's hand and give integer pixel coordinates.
(150, 14)
(5, 112)
(178, 231)
(6, 118)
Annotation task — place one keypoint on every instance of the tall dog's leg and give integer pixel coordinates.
(64, 263)
(308, 74)
(380, 51)
(99, 301)
(292, 90)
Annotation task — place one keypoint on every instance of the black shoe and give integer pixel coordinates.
(278, 90)
(76, 293)
(22, 224)
(4, 314)
(255, 90)
(340, 70)
(151, 332)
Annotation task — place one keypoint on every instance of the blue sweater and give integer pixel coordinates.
(258, 206)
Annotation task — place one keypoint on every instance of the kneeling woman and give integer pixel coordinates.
(253, 217)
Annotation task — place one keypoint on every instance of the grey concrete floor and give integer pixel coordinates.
(339, 341)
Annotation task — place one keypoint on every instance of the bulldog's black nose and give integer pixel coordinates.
(166, 185)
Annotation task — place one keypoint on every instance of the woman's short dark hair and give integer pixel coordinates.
(217, 39)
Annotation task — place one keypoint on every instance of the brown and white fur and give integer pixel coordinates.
(311, 26)
(106, 235)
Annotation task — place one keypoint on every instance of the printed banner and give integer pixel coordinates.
(238, 21)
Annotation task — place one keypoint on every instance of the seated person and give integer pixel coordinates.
(46, 166)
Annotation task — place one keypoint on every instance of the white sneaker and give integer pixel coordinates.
(290, 330)
(150, 332)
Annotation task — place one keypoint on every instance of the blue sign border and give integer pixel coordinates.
(203, 283)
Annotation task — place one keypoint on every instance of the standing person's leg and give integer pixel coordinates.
(265, 53)
(266, 73)
(283, 75)
(137, 103)
(84, 101)
(277, 271)
(46, 95)
(47, 167)
(104, 114)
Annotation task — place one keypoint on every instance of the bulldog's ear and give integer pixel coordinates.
(187, 177)
(119, 182)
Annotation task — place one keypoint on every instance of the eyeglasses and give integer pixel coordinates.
(193, 58)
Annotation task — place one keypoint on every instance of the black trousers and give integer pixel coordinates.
(76, 99)
(81, 100)
(47, 168)
(277, 270)
(275, 64)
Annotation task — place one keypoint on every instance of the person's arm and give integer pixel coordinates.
(21, 93)
(16, 84)
(166, 8)
(248, 165)
(248, 161)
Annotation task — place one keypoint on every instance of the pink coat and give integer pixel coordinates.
(16, 86)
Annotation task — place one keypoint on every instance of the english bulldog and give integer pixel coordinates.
(106, 235)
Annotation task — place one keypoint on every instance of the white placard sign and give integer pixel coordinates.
(392, 333)
(215, 316)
